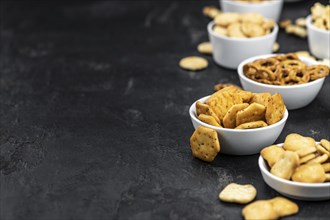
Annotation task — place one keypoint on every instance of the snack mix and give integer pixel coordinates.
(301, 159)
(284, 70)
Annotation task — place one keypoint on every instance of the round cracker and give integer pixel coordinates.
(193, 63)
(205, 48)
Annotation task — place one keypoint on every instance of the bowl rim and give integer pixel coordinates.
(262, 166)
(304, 59)
(252, 5)
(253, 39)
(313, 27)
(194, 117)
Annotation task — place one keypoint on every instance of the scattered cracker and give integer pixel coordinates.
(237, 193)
(276, 47)
(205, 48)
(261, 209)
(283, 206)
(205, 144)
(193, 63)
(211, 11)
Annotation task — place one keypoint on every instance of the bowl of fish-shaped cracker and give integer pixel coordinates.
(299, 168)
(245, 122)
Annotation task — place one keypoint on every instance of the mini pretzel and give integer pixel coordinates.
(292, 64)
(318, 71)
(269, 63)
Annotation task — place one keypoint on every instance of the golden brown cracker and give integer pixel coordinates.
(322, 150)
(252, 124)
(237, 193)
(295, 142)
(225, 19)
(205, 48)
(326, 144)
(193, 63)
(235, 30)
(229, 120)
(275, 109)
(220, 86)
(305, 151)
(209, 120)
(307, 158)
(205, 144)
(272, 154)
(283, 206)
(326, 167)
(254, 112)
(260, 98)
(309, 173)
(202, 108)
(250, 29)
(285, 166)
(319, 159)
(211, 11)
(259, 210)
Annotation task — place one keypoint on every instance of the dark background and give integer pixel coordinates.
(94, 117)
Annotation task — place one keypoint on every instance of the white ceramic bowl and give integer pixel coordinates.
(318, 40)
(241, 142)
(295, 190)
(229, 52)
(295, 96)
(269, 9)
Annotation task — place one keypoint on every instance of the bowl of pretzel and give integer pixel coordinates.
(299, 168)
(297, 79)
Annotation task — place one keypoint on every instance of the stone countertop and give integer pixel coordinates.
(94, 117)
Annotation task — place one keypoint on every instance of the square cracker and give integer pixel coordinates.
(251, 125)
(202, 108)
(275, 109)
(208, 120)
(261, 98)
(229, 120)
(255, 112)
(205, 144)
(221, 103)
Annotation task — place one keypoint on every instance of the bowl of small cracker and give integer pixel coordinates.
(299, 168)
(235, 122)
(298, 79)
(235, 37)
(318, 29)
(269, 8)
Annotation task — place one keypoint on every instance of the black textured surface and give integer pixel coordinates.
(94, 113)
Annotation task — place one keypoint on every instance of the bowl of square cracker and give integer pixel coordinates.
(239, 140)
(298, 79)
(301, 173)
